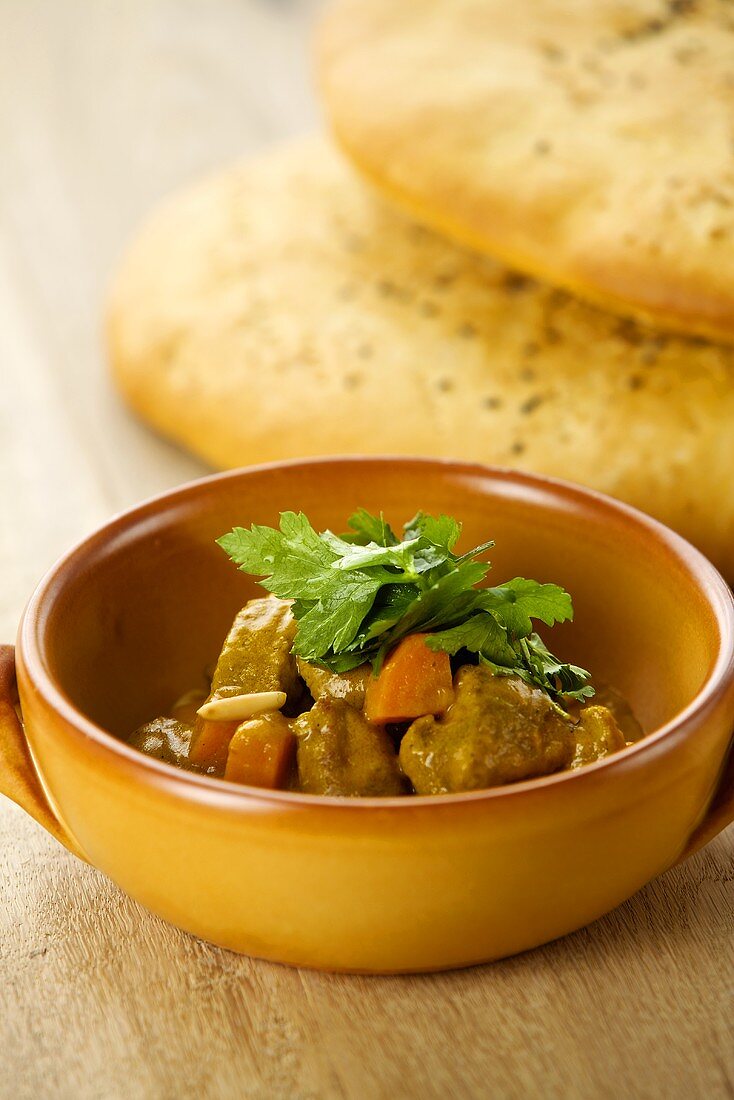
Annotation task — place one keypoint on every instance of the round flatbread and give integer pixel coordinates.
(281, 309)
(589, 143)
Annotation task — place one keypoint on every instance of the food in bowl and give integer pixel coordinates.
(131, 616)
(379, 666)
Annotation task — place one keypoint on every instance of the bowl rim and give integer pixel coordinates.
(32, 658)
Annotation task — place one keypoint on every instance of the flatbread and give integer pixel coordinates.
(282, 309)
(589, 143)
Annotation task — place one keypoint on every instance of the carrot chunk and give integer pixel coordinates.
(413, 681)
(261, 751)
(210, 743)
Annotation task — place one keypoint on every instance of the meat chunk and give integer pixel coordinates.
(620, 710)
(349, 686)
(164, 738)
(341, 753)
(499, 730)
(597, 735)
(605, 724)
(257, 652)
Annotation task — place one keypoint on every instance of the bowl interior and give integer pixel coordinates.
(131, 618)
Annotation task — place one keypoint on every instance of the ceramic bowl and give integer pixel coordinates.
(130, 617)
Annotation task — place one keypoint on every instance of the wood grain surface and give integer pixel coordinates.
(103, 107)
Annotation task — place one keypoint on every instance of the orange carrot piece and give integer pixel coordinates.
(413, 681)
(210, 742)
(261, 752)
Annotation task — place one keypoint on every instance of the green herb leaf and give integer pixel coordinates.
(370, 528)
(441, 531)
(480, 633)
(518, 601)
(546, 671)
(356, 595)
(399, 556)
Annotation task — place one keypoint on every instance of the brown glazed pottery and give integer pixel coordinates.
(129, 619)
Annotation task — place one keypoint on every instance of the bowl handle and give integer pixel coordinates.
(719, 814)
(18, 776)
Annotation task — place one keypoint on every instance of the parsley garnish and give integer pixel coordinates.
(356, 595)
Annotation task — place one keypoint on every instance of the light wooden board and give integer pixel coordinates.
(103, 107)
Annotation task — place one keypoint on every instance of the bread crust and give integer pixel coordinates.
(589, 144)
(282, 309)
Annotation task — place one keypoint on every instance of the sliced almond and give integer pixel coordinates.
(238, 707)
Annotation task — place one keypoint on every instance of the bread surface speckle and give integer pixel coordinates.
(282, 309)
(590, 143)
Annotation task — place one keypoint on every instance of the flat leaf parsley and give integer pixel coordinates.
(356, 595)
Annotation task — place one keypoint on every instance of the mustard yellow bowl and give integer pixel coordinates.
(129, 618)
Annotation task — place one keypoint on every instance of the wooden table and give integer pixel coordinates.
(103, 107)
